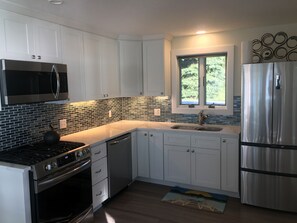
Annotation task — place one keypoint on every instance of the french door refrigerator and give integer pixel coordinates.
(269, 135)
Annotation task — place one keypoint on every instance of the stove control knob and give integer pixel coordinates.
(54, 165)
(48, 167)
(79, 154)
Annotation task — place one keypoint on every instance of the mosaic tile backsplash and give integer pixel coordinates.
(23, 124)
(142, 108)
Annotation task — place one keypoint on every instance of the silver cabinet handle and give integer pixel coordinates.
(140, 93)
(100, 193)
(188, 150)
(145, 134)
(99, 171)
(33, 56)
(224, 140)
(193, 151)
(277, 82)
(97, 153)
(152, 135)
(39, 57)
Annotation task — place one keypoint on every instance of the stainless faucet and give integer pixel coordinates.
(201, 117)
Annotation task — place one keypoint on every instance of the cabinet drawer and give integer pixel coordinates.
(206, 142)
(99, 170)
(98, 152)
(177, 139)
(100, 193)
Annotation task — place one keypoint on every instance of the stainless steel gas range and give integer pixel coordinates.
(60, 180)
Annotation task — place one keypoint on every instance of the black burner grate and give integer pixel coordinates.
(32, 154)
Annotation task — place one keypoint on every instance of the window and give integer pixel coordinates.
(203, 80)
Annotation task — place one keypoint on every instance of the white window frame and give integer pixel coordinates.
(218, 110)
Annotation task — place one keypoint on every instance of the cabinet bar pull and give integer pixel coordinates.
(97, 153)
(99, 171)
(100, 193)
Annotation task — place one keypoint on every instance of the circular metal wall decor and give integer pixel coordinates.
(278, 47)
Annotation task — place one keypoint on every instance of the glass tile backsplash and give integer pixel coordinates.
(23, 124)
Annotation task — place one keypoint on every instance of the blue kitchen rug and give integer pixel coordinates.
(196, 199)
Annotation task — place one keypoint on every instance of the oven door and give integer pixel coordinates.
(65, 196)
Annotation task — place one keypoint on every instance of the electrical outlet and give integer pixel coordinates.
(63, 123)
(157, 112)
(109, 114)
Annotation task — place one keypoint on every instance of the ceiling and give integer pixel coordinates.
(149, 17)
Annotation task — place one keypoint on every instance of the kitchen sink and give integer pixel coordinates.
(197, 128)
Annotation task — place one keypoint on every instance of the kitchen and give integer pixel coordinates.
(26, 123)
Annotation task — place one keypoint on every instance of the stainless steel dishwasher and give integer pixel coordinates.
(119, 163)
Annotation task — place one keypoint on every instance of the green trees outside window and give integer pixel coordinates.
(203, 79)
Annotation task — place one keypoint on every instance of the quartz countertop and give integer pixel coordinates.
(106, 132)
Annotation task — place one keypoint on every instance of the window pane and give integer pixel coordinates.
(215, 92)
(189, 79)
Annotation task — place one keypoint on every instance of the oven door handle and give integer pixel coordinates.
(42, 185)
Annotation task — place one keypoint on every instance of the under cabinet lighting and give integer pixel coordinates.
(56, 2)
(200, 32)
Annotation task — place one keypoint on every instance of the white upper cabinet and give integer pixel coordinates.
(47, 41)
(92, 66)
(109, 68)
(156, 67)
(131, 68)
(25, 38)
(73, 56)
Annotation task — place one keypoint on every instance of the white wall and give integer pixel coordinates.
(234, 38)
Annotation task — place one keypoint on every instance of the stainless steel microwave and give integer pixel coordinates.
(29, 82)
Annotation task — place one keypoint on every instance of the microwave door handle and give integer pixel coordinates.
(54, 69)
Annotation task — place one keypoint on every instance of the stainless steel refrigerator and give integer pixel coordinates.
(269, 135)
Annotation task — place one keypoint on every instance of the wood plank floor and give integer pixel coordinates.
(141, 202)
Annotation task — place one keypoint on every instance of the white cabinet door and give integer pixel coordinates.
(156, 67)
(131, 68)
(205, 168)
(47, 41)
(92, 66)
(156, 155)
(230, 164)
(109, 68)
(143, 154)
(26, 38)
(17, 35)
(73, 56)
(177, 167)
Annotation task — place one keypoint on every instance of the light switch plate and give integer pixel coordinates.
(63, 123)
(157, 112)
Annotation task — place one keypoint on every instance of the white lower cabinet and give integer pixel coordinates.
(195, 160)
(99, 174)
(177, 164)
(206, 161)
(150, 154)
(100, 193)
(143, 154)
(203, 160)
(230, 164)
(205, 168)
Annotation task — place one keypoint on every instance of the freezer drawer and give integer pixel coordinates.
(269, 191)
(277, 160)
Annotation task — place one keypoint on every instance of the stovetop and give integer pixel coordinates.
(31, 154)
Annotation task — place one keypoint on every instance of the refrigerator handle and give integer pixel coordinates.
(277, 82)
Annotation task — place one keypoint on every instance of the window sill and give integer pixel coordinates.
(222, 110)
